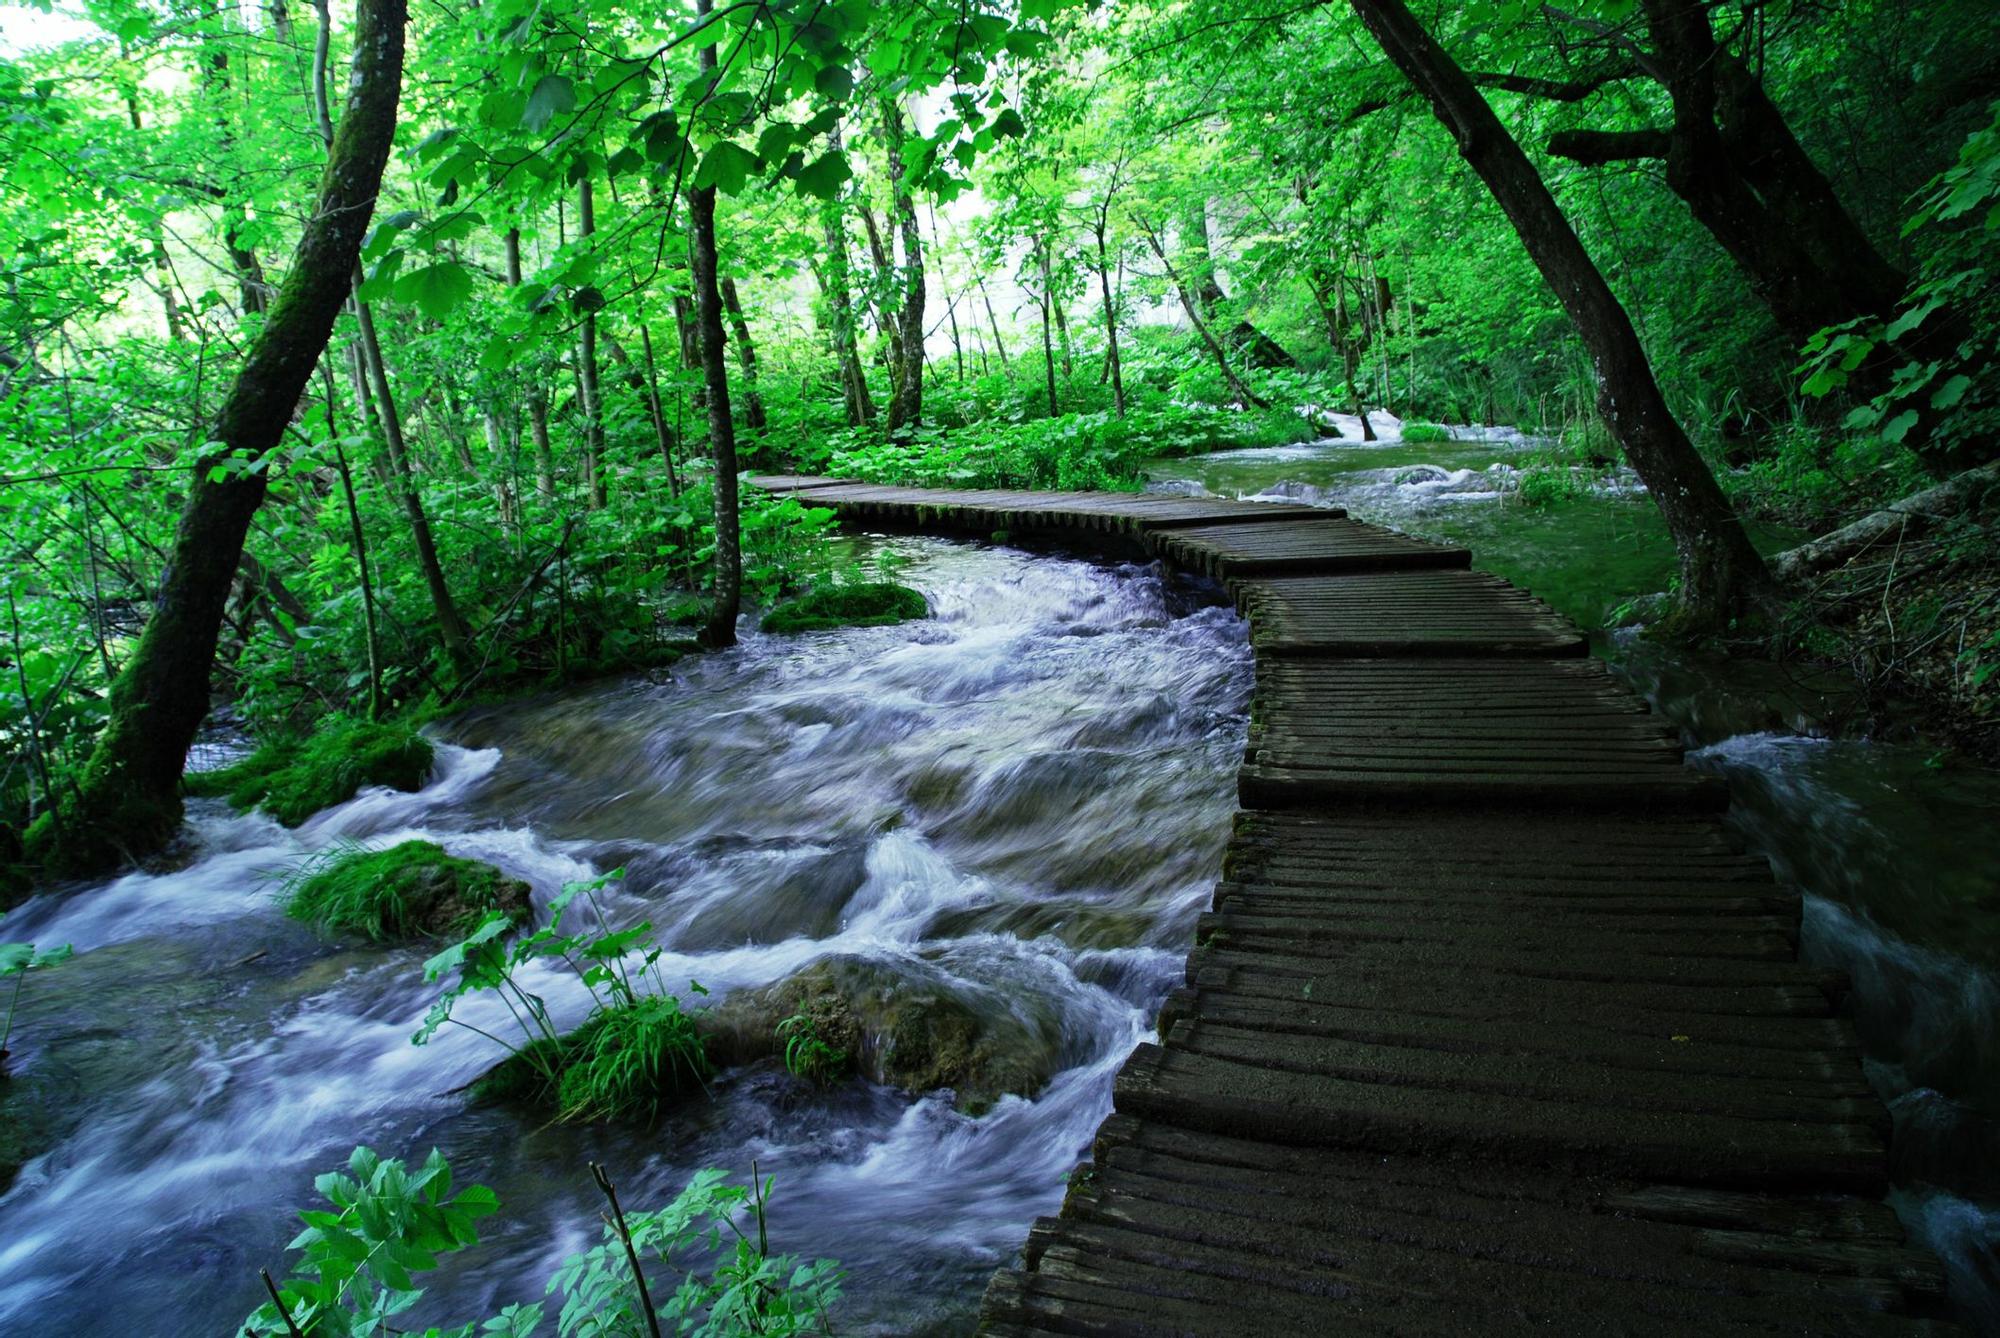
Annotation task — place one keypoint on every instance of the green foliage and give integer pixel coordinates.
(636, 1048)
(807, 1054)
(750, 1291)
(358, 1266)
(1959, 209)
(17, 960)
(849, 604)
(628, 1059)
(1547, 484)
(408, 889)
(295, 778)
(1423, 432)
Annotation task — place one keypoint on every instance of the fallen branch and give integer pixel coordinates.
(1910, 516)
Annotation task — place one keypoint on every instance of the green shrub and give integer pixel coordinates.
(296, 778)
(636, 1049)
(853, 604)
(407, 890)
(1544, 485)
(1423, 432)
(713, 1273)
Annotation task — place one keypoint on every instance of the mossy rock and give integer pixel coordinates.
(1418, 433)
(900, 1024)
(295, 778)
(860, 604)
(410, 890)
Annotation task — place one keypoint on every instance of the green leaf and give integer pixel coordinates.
(435, 289)
(725, 167)
(554, 94)
(823, 177)
(1951, 392)
(835, 82)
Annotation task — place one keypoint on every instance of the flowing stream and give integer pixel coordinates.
(1021, 802)
(1890, 842)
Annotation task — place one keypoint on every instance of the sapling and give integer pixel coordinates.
(17, 960)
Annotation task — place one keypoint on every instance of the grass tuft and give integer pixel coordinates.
(1425, 432)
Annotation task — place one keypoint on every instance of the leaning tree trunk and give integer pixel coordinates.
(1720, 571)
(129, 799)
(721, 627)
(1190, 305)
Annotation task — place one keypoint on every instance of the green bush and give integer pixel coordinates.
(1425, 432)
(296, 778)
(636, 1049)
(1544, 485)
(855, 604)
(407, 890)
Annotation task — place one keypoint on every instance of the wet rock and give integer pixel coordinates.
(799, 893)
(409, 890)
(902, 1024)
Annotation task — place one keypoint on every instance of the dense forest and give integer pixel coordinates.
(371, 366)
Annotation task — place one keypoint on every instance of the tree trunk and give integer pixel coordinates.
(1732, 158)
(538, 396)
(906, 397)
(1198, 260)
(999, 344)
(1720, 572)
(1188, 303)
(721, 628)
(746, 357)
(840, 303)
(1048, 349)
(451, 627)
(660, 432)
(129, 798)
(1110, 323)
(593, 397)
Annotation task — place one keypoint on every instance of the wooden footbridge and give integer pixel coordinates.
(1493, 1026)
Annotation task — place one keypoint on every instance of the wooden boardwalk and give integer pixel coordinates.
(1492, 1028)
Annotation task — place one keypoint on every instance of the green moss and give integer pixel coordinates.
(405, 891)
(1423, 432)
(861, 604)
(296, 778)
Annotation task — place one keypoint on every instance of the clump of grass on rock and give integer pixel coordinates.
(854, 604)
(296, 778)
(410, 890)
(1417, 433)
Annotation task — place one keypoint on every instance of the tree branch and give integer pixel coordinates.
(1595, 148)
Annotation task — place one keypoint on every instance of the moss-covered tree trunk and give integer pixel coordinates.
(1720, 571)
(129, 800)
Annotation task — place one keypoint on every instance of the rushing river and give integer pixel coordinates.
(1892, 843)
(1022, 801)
